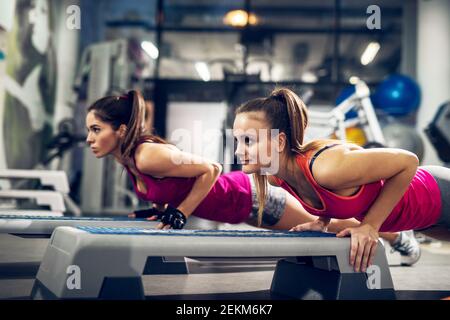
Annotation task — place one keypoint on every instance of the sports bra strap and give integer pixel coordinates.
(318, 153)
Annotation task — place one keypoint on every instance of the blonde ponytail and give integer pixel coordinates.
(261, 185)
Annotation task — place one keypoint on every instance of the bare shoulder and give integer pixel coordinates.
(145, 149)
(329, 155)
(149, 156)
(328, 160)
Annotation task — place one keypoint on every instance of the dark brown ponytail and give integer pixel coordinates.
(135, 125)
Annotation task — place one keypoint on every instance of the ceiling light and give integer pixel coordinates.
(370, 53)
(309, 77)
(239, 18)
(150, 49)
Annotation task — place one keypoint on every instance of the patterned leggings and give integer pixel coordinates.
(274, 207)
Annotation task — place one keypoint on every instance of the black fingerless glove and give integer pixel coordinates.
(147, 213)
(173, 217)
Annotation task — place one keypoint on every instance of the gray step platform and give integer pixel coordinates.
(43, 226)
(92, 263)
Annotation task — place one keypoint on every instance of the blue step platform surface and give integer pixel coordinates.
(205, 233)
(56, 218)
(43, 226)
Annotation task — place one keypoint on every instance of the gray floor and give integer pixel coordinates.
(19, 260)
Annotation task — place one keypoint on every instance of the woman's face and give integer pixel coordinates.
(254, 141)
(101, 138)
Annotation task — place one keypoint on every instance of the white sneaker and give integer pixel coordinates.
(408, 247)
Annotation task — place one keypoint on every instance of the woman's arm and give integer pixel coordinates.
(161, 161)
(346, 169)
(391, 193)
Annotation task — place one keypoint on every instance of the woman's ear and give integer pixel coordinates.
(282, 142)
(122, 131)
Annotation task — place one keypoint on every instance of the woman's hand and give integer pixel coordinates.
(364, 241)
(171, 218)
(320, 224)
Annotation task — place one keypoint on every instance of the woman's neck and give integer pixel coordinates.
(118, 157)
(290, 171)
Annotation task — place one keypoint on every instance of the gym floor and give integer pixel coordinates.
(428, 279)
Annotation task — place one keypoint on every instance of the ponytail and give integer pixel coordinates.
(297, 117)
(261, 185)
(136, 124)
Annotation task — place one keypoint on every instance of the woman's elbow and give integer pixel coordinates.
(213, 170)
(411, 160)
(414, 160)
(216, 169)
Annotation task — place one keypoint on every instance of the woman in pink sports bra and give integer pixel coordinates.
(384, 189)
(180, 184)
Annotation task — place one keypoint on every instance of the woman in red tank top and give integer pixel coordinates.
(385, 189)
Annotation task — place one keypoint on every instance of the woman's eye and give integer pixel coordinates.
(248, 140)
(95, 130)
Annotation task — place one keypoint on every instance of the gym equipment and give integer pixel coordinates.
(63, 141)
(40, 225)
(108, 262)
(402, 136)
(336, 118)
(397, 95)
(57, 180)
(354, 135)
(44, 198)
(344, 95)
(43, 226)
(438, 131)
